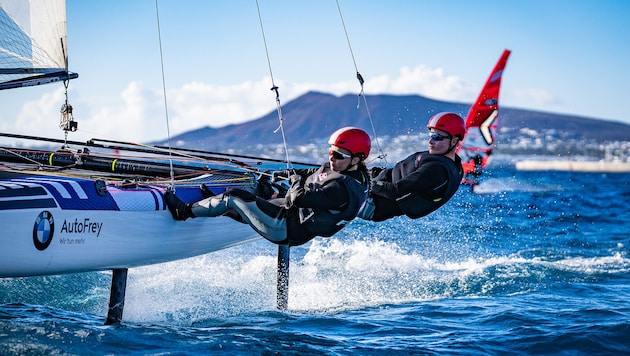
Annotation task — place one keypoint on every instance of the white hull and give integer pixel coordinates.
(132, 229)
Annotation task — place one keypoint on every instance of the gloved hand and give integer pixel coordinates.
(295, 179)
(374, 171)
(280, 175)
(382, 188)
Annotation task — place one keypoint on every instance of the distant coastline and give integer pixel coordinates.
(400, 122)
(573, 166)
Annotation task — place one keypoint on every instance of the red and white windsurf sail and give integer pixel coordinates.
(482, 125)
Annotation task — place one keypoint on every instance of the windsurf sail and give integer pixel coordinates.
(33, 43)
(482, 125)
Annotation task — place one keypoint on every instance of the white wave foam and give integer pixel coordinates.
(500, 185)
(615, 263)
(333, 275)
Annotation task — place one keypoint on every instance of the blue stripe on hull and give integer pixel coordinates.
(20, 191)
(75, 194)
(27, 204)
(70, 193)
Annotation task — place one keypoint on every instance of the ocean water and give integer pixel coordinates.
(529, 263)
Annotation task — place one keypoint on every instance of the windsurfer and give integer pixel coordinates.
(319, 202)
(422, 182)
(472, 178)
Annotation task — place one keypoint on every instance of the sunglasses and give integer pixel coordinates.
(338, 155)
(437, 137)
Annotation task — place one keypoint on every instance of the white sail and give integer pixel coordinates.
(33, 43)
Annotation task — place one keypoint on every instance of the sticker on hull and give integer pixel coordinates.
(43, 230)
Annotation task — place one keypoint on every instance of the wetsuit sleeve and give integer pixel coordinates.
(331, 196)
(305, 172)
(286, 173)
(429, 180)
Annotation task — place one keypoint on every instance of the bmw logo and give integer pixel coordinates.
(43, 230)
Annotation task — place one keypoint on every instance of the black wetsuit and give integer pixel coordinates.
(415, 186)
(319, 203)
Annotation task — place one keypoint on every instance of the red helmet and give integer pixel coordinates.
(449, 122)
(352, 139)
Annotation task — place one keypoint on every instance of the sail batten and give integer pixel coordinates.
(33, 43)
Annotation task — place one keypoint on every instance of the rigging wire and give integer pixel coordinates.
(67, 122)
(221, 158)
(381, 154)
(274, 88)
(168, 129)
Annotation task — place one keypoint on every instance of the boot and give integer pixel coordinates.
(179, 209)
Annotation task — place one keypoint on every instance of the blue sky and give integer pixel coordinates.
(567, 57)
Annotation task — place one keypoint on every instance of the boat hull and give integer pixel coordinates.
(55, 225)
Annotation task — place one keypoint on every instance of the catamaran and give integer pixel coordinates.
(98, 205)
(482, 126)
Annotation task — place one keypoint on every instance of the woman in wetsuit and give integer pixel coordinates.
(319, 202)
(422, 182)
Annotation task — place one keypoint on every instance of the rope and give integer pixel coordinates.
(274, 88)
(359, 76)
(381, 154)
(168, 128)
(227, 163)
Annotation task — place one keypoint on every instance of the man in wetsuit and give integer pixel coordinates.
(422, 182)
(320, 201)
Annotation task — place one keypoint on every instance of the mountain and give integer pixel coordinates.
(313, 116)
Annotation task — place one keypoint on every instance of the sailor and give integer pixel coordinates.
(422, 182)
(319, 202)
(472, 178)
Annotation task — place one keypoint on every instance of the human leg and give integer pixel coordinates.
(210, 207)
(264, 217)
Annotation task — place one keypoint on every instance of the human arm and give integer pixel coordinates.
(332, 195)
(428, 180)
(287, 173)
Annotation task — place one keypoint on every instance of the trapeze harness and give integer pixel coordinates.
(313, 222)
(326, 222)
(414, 204)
